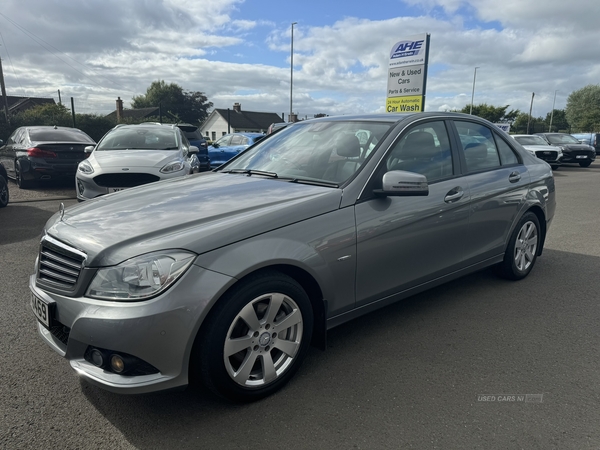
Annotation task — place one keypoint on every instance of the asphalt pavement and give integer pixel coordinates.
(480, 363)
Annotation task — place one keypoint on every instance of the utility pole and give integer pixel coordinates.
(73, 111)
(59, 100)
(552, 113)
(530, 108)
(4, 100)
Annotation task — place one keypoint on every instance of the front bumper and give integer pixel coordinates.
(159, 331)
(577, 156)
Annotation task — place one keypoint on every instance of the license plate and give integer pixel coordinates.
(111, 190)
(42, 310)
(581, 156)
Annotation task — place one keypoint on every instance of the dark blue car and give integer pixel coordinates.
(230, 145)
(193, 135)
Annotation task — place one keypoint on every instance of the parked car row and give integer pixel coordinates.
(557, 148)
(126, 156)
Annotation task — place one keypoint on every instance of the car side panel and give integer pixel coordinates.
(323, 246)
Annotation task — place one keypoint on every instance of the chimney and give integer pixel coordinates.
(119, 109)
(237, 107)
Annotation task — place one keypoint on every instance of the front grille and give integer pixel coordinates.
(124, 179)
(547, 155)
(59, 265)
(579, 152)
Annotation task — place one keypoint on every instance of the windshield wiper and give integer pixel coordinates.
(252, 172)
(314, 182)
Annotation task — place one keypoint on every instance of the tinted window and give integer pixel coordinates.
(478, 144)
(424, 149)
(59, 135)
(507, 155)
(193, 135)
(561, 139)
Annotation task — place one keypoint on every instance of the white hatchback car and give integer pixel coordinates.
(132, 155)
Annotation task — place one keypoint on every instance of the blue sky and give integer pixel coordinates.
(239, 51)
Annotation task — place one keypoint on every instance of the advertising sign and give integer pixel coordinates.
(410, 51)
(407, 74)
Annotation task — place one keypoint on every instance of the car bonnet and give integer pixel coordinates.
(197, 213)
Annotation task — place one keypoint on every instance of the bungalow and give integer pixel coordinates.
(223, 121)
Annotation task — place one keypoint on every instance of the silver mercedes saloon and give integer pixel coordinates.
(227, 277)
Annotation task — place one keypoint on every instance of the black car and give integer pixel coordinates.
(192, 133)
(43, 153)
(3, 186)
(573, 151)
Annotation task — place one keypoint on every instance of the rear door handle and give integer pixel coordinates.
(514, 177)
(454, 195)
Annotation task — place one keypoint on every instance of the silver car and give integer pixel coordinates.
(229, 276)
(133, 155)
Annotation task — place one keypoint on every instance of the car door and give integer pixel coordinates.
(498, 182)
(403, 242)
(218, 152)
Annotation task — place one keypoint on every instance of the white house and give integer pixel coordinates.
(223, 121)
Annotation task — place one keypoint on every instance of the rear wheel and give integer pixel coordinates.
(521, 253)
(585, 163)
(3, 192)
(255, 338)
(23, 184)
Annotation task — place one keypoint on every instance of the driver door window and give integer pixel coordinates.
(425, 149)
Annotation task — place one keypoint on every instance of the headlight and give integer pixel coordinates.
(172, 167)
(85, 167)
(141, 277)
(531, 151)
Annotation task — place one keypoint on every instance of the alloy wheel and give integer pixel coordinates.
(526, 246)
(263, 340)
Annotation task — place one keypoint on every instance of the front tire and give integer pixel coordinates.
(255, 338)
(3, 192)
(585, 163)
(521, 253)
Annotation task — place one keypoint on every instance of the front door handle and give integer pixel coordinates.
(514, 177)
(454, 195)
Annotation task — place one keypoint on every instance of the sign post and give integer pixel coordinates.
(407, 74)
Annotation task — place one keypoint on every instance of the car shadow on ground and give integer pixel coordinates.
(22, 222)
(412, 368)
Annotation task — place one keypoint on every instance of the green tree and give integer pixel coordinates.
(559, 121)
(583, 108)
(536, 124)
(495, 114)
(185, 106)
(46, 114)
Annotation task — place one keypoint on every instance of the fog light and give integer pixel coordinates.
(80, 187)
(117, 364)
(97, 358)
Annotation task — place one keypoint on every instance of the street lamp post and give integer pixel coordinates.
(473, 92)
(292, 71)
(552, 113)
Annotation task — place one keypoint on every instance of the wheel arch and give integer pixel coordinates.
(304, 279)
(539, 212)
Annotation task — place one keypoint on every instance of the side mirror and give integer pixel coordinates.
(215, 145)
(193, 150)
(89, 148)
(401, 183)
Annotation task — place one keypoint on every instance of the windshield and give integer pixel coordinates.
(562, 139)
(329, 152)
(530, 140)
(139, 139)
